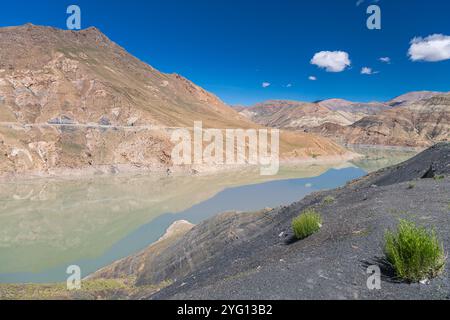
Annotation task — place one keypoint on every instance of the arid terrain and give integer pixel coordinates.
(253, 255)
(416, 119)
(75, 100)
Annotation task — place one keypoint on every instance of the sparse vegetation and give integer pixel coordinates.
(439, 178)
(307, 223)
(328, 200)
(411, 185)
(91, 290)
(414, 252)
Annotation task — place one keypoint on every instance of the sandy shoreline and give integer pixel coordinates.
(194, 170)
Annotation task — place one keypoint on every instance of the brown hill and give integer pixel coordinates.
(302, 116)
(49, 73)
(417, 124)
(77, 100)
(413, 97)
(415, 119)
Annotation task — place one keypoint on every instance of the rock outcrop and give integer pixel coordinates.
(184, 252)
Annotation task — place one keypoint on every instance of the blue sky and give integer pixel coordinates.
(232, 47)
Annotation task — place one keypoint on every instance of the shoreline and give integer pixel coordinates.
(342, 197)
(114, 170)
(386, 147)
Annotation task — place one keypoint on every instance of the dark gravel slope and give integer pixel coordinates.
(429, 164)
(332, 264)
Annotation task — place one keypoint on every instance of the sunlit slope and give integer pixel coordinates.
(50, 78)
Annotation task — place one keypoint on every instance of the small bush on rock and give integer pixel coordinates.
(414, 252)
(306, 224)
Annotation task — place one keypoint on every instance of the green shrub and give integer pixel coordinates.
(328, 200)
(307, 223)
(412, 185)
(439, 178)
(414, 252)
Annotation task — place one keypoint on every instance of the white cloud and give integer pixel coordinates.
(331, 61)
(432, 48)
(266, 84)
(368, 71)
(289, 85)
(312, 78)
(385, 60)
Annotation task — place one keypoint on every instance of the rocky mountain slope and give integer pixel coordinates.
(412, 97)
(77, 100)
(416, 119)
(301, 116)
(415, 124)
(251, 256)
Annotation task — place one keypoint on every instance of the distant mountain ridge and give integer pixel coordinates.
(416, 119)
(412, 97)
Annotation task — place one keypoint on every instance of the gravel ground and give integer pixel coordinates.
(332, 264)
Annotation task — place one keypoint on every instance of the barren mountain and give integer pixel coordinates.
(418, 124)
(359, 108)
(77, 100)
(416, 119)
(301, 115)
(412, 97)
(48, 74)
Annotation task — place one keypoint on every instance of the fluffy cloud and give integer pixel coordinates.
(312, 78)
(368, 71)
(432, 48)
(385, 59)
(289, 85)
(266, 84)
(331, 61)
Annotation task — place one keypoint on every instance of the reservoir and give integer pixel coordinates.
(49, 224)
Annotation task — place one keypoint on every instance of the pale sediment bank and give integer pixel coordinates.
(159, 170)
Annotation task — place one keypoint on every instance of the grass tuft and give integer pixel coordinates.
(414, 252)
(306, 224)
(328, 200)
(412, 185)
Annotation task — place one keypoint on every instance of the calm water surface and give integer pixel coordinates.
(49, 224)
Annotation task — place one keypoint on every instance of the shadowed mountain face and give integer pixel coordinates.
(75, 100)
(416, 119)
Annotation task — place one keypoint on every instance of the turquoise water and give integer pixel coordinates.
(48, 224)
(50, 260)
